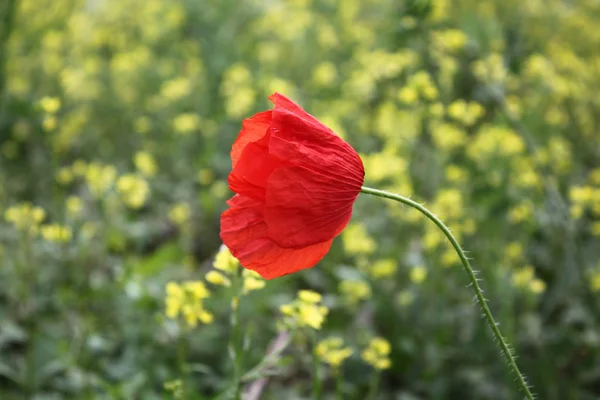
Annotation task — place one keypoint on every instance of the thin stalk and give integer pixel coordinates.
(374, 385)
(338, 383)
(316, 367)
(235, 341)
(510, 360)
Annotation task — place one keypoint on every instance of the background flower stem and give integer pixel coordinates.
(235, 342)
(316, 388)
(508, 354)
(338, 383)
(374, 385)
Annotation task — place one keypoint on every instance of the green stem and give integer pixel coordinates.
(235, 342)
(316, 387)
(6, 27)
(474, 282)
(338, 383)
(29, 287)
(374, 385)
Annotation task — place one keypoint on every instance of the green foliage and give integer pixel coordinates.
(116, 119)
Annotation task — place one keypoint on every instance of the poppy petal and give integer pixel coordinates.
(316, 147)
(283, 103)
(250, 174)
(253, 129)
(244, 232)
(304, 207)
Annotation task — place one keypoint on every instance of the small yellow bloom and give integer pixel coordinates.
(305, 310)
(197, 289)
(418, 274)
(383, 268)
(225, 261)
(74, 206)
(217, 278)
(523, 276)
(377, 353)
(253, 283)
(79, 168)
(184, 124)
(134, 190)
(64, 176)
(180, 213)
(354, 291)
(186, 299)
(56, 233)
(145, 163)
(287, 309)
(332, 351)
(595, 282)
(100, 178)
(25, 217)
(50, 105)
(537, 286)
(311, 315)
(309, 296)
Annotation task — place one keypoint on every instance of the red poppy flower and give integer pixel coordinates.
(296, 182)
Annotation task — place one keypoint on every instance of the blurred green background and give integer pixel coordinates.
(116, 120)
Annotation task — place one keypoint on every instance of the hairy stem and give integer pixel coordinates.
(510, 359)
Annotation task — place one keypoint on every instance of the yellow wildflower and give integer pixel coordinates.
(50, 105)
(332, 351)
(354, 291)
(217, 278)
(179, 213)
(377, 353)
(145, 163)
(56, 233)
(225, 261)
(418, 274)
(384, 268)
(134, 190)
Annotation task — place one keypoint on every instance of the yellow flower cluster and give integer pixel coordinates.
(56, 233)
(419, 86)
(186, 123)
(584, 198)
(594, 281)
(494, 141)
(187, 299)
(357, 241)
(74, 206)
(354, 291)
(134, 190)
(377, 353)
(333, 352)
(180, 213)
(449, 40)
(417, 274)
(99, 177)
(50, 106)
(145, 163)
(384, 268)
(25, 217)
(237, 88)
(465, 113)
(226, 266)
(305, 311)
(525, 278)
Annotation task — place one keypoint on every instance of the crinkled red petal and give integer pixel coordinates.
(253, 129)
(244, 232)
